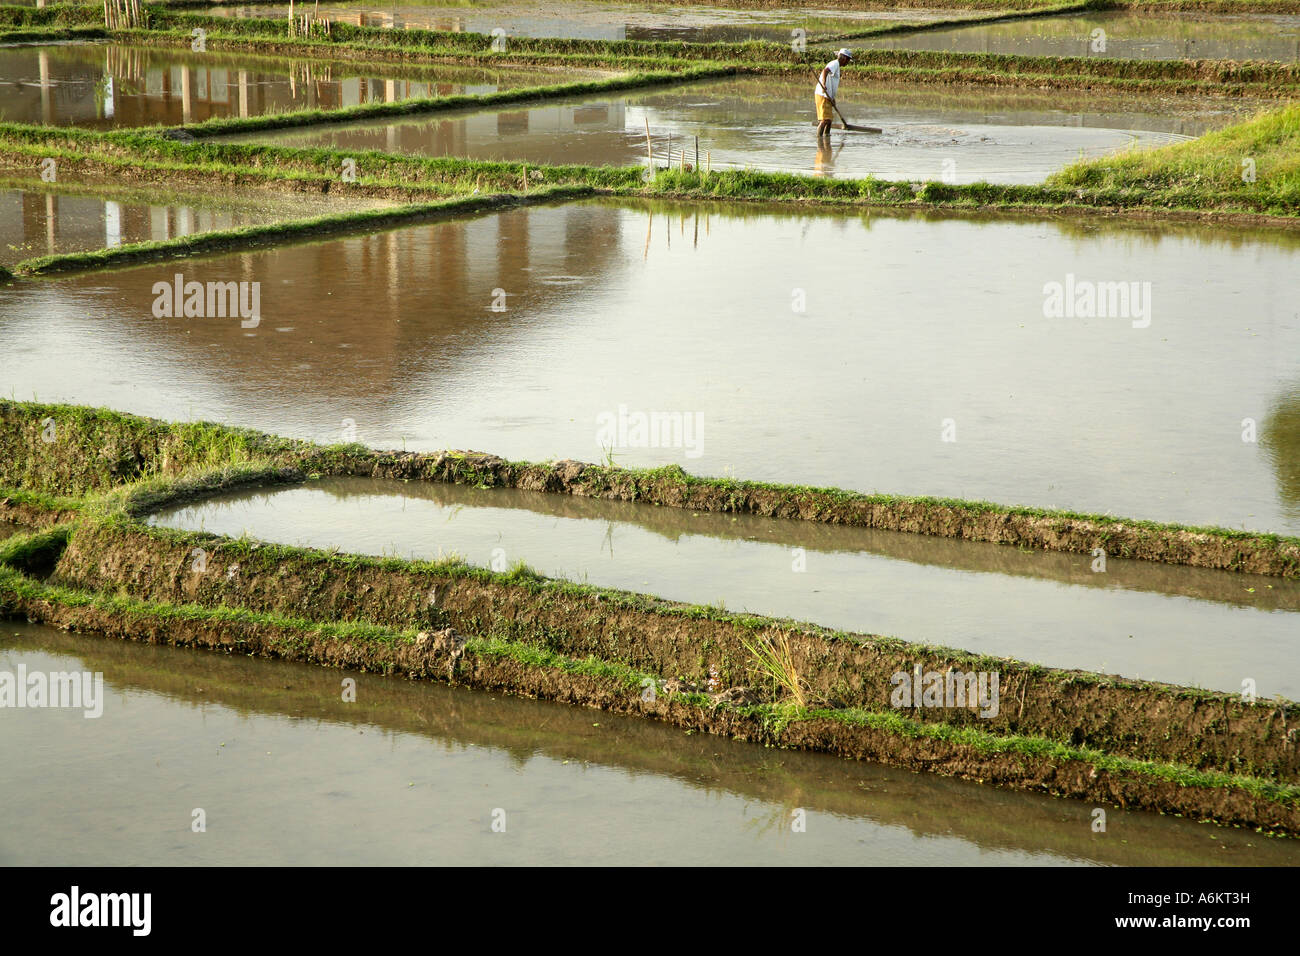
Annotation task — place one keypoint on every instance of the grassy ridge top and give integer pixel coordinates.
(1256, 162)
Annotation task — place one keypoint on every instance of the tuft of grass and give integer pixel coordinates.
(773, 659)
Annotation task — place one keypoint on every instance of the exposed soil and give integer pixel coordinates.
(129, 448)
(436, 658)
(1147, 720)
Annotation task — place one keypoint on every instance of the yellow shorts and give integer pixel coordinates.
(823, 109)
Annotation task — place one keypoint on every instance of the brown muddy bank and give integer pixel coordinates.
(1255, 554)
(1144, 720)
(443, 656)
(918, 805)
(127, 448)
(87, 170)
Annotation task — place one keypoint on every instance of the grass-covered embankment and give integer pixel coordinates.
(129, 448)
(502, 665)
(115, 574)
(1202, 179)
(110, 551)
(1253, 165)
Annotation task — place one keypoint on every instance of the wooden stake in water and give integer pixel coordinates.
(650, 156)
(697, 153)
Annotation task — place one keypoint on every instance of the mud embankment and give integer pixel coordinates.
(974, 521)
(1145, 720)
(443, 655)
(74, 450)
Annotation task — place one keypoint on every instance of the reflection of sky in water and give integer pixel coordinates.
(105, 86)
(606, 21)
(1117, 35)
(908, 321)
(1137, 619)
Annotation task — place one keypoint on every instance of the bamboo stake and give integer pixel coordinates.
(697, 152)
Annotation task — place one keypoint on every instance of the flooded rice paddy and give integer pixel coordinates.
(411, 773)
(791, 347)
(767, 123)
(1136, 619)
(83, 218)
(1117, 35)
(102, 86)
(599, 21)
(882, 351)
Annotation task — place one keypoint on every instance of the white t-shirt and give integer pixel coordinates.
(832, 80)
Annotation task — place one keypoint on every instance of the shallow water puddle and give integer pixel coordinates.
(904, 354)
(102, 86)
(769, 123)
(1118, 35)
(589, 20)
(1135, 619)
(34, 222)
(285, 772)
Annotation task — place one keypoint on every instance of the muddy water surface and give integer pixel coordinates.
(287, 773)
(599, 21)
(102, 86)
(1120, 35)
(35, 222)
(1186, 626)
(879, 353)
(769, 123)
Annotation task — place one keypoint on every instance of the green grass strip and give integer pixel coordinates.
(983, 742)
(1254, 164)
(41, 500)
(13, 584)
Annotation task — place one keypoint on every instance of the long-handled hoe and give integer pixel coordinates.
(847, 125)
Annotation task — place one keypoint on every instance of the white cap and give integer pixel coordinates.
(845, 51)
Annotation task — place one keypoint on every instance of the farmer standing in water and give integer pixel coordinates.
(828, 84)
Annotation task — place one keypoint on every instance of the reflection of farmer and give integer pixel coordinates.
(828, 84)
